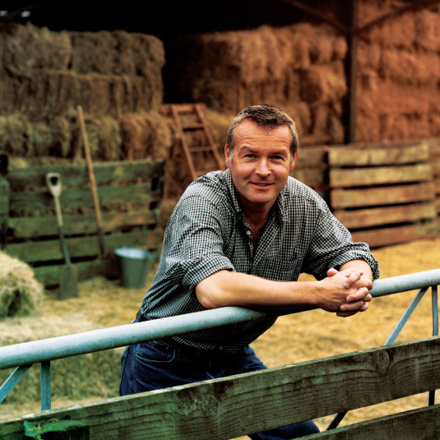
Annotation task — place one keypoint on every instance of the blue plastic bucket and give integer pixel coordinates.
(134, 266)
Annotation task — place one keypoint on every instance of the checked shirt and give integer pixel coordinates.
(208, 232)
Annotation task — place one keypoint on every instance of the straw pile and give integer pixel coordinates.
(399, 72)
(115, 76)
(298, 68)
(71, 378)
(20, 293)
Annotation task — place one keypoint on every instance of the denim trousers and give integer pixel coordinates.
(160, 364)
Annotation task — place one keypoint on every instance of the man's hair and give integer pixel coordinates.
(264, 115)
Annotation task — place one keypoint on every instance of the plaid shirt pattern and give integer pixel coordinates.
(208, 232)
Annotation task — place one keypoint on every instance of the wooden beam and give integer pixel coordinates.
(314, 12)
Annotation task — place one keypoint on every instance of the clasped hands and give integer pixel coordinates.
(356, 290)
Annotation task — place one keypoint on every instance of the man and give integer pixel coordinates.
(241, 238)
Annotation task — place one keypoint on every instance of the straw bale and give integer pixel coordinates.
(261, 65)
(397, 31)
(20, 293)
(369, 56)
(28, 48)
(427, 30)
(323, 83)
(117, 53)
(103, 135)
(15, 132)
(41, 139)
(146, 135)
(409, 66)
(45, 73)
(61, 136)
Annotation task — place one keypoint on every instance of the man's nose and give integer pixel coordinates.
(263, 167)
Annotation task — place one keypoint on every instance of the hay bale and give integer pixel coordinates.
(45, 74)
(298, 68)
(28, 48)
(146, 135)
(15, 132)
(20, 293)
(104, 137)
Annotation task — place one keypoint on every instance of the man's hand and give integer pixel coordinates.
(358, 291)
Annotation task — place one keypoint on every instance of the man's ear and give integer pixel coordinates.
(293, 162)
(227, 156)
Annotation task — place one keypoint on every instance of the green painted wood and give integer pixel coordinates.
(423, 423)
(231, 407)
(22, 179)
(129, 194)
(41, 201)
(82, 246)
(45, 226)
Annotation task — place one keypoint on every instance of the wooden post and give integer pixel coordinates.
(352, 38)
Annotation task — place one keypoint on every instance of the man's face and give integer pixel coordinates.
(260, 164)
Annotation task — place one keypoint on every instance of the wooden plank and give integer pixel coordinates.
(312, 157)
(399, 234)
(379, 196)
(49, 276)
(79, 247)
(25, 203)
(22, 179)
(314, 177)
(422, 423)
(353, 155)
(78, 224)
(340, 178)
(364, 218)
(237, 405)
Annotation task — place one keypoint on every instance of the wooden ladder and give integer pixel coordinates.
(195, 137)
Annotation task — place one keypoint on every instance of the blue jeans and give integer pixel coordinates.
(159, 364)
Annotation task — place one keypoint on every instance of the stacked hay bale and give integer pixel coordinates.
(399, 73)
(45, 75)
(298, 68)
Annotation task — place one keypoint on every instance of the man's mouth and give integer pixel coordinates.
(262, 184)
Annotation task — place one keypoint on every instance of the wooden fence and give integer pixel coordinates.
(238, 405)
(384, 193)
(129, 195)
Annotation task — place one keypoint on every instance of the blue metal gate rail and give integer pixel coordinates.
(23, 356)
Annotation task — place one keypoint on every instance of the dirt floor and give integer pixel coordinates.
(294, 338)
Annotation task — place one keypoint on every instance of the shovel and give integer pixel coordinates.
(68, 272)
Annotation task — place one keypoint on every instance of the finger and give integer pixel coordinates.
(353, 306)
(361, 294)
(352, 279)
(331, 272)
(345, 314)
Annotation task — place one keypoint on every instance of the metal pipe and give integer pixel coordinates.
(404, 283)
(71, 345)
